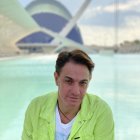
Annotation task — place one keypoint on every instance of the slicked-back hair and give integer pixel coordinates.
(76, 56)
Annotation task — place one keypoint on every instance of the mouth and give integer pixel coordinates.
(74, 99)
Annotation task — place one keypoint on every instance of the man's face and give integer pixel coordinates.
(72, 83)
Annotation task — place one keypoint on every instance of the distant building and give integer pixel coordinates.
(47, 14)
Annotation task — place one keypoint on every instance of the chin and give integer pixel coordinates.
(74, 104)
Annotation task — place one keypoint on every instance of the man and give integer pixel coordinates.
(70, 113)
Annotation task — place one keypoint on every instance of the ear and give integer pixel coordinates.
(56, 76)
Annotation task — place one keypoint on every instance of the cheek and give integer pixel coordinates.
(62, 88)
(84, 88)
(83, 92)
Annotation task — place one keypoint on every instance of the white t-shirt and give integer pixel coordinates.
(62, 130)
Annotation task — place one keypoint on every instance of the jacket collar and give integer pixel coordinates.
(85, 112)
(48, 113)
(48, 109)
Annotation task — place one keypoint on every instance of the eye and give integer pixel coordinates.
(83, 83)
(68, 81)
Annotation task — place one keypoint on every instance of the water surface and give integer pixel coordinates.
(116, 79)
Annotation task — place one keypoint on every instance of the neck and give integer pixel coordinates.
(66, 115)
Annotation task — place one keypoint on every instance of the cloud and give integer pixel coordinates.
(97, 35)
(130, 5)
(132, 21)
(107, 35)
(92, 12)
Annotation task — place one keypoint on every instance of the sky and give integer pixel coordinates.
(107, 22)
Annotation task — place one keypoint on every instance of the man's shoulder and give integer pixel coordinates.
(97, 101)
(93, 98)
(43, 99)
(41, 105)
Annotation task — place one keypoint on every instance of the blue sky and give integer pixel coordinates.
(98, 23)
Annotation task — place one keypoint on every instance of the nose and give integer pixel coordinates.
(76, 89)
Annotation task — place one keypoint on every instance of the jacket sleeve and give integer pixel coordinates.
(27, 127)
(104, 129)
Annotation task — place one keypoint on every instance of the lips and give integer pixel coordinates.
(74, 98)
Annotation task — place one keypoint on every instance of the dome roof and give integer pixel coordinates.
(52, 15)
(48, 6)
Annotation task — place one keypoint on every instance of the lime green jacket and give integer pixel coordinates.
(93, 122)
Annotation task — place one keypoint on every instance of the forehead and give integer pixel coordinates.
(75, 71)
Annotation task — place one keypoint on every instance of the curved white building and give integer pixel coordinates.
(49, 14)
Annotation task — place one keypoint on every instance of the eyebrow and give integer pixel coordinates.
(84, 80)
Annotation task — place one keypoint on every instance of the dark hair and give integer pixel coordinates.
(76, 56)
